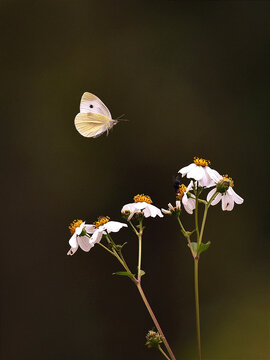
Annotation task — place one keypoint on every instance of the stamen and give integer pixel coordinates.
(228, 179)
(142, 198)
(201, 162)
(180, 192)
(74, 225)
(101, 221)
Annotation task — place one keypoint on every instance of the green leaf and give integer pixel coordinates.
(125, 273)
(204, 247)
(194, 247)
(142, 272)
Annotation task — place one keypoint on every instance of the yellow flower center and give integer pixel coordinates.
(201, 162)
(228, 179)
(180, 192)
(101, 221)
(142, 198)
(74, 225)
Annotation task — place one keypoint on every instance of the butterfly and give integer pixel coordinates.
(94, 117)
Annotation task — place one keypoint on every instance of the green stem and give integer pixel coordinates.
(186, 236)
(196, 287)
(104, 247)
(114, 252)
(133, 227)
(139, 257)
(204, 217)
(140, 252)
(196, 216)
(163, 352)
(155, 321)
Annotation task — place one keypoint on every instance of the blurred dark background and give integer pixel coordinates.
(192, 78)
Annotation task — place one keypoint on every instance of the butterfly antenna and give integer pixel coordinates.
(120, 118)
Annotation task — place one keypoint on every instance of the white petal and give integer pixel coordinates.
(90, 229)
(128, 207)
(214, 175)
(190, 186)
(130, 216)
(189, 205)
(227, 202)
(210, 194)
(216, 199)
(166, 212)
(84, 243)
(184, 199)
(237, 198)
(79, 229)
(73, 241)
(96, 237)
(186, 169)
(113, 226)
(140, 205)
(178, 204)
(170, 207)
(196, 173)
(72, 251)
(152, 210)
(206, 180)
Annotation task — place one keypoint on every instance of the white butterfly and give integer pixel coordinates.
(94, 117)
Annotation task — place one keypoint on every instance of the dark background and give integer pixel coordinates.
(193, 79)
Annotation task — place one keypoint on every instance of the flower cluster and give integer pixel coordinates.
(202, 176)
(86, 236)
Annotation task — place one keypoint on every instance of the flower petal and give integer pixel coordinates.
(166, 212)
(210, 194)
(196, 173)
(84, 243)
(189, 204)
(236, 197)
(190, 186)
(113, 226)
(72, 251)
(216, 199)
(79, 229)
(128, 207)
(186, 169)
(73, 241)
(96, 237)
(152, 211)
(227, 203)
(90, 229)
(214, 175)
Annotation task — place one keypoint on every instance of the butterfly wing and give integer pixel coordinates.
(90, 103)
(92, 125)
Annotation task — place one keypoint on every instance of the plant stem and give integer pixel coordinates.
(155, 321)
(196, 216)
(196, 287)
(186, 236)
(140, 253)
(203, 224)
(104, 247)
(205, 215)
(163, 352)
(133, 227)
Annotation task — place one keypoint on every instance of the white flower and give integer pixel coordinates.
(103, 227)
(142, 204)
(189, 202)
(172, 209)
(79, 238)
(201, 172)
(228, 198)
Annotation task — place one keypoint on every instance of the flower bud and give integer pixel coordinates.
(224, 184)
(153, 339)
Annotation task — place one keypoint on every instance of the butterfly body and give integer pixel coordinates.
(94, 117)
